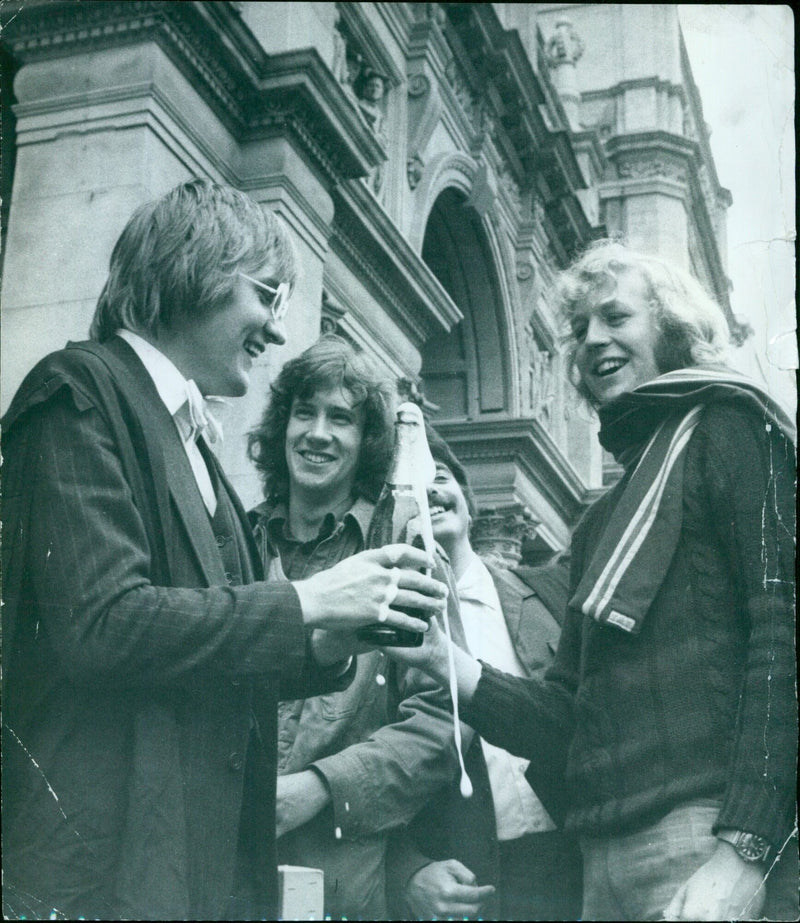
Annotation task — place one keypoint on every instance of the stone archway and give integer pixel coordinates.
(465, 372)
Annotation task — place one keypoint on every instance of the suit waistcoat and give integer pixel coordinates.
(229, 535)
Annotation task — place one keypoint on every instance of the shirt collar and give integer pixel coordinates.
(473, 580)
(169, 382)
(360, 513)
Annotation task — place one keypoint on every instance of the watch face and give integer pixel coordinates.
(751, 847)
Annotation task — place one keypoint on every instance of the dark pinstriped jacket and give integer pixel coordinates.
(132, 670)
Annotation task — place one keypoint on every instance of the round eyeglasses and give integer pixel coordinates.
(279, 301)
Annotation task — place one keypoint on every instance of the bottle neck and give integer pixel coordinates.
(405, 467)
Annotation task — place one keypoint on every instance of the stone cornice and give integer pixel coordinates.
(367, 38)
(522, 113)
(637, 83)
(524, 442)
(369, 240)
(298, 92)
(208, 41)
(252, 93)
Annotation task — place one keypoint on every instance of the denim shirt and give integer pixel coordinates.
(385, 743)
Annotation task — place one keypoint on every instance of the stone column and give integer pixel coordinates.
(564, 50)
(498, 532)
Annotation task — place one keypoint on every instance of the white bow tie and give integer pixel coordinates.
(203, 422)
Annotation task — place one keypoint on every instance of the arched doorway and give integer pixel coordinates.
(465, 371)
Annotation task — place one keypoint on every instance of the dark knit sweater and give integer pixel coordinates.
(702, 702)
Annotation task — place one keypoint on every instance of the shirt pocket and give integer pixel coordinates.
(359, 695)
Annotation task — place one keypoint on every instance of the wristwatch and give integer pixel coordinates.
(750, 847)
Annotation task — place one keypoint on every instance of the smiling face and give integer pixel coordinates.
(449, 510)
(323, 445)
(617, 338)
(218, 350)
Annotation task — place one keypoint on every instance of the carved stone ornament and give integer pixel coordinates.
(651, 168)
(466, 98)
(524, 270)
(332, 313)
(499, 532)
(541, 383)
(414, 170)
(564, 46)
(511, 187)
(418, 85)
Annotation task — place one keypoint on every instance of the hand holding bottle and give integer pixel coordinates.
(371, 587)
(433, 658)
(402, 514)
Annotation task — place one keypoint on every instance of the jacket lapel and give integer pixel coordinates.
(530, 627)
(164, 439)
(190, 507)
(510, 602)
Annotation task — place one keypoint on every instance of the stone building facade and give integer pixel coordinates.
(437, 164)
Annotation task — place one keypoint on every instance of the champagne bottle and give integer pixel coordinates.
(402, 514)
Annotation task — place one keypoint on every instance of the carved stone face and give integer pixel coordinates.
(373, 88)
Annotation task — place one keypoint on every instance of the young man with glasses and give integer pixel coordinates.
(143, 652)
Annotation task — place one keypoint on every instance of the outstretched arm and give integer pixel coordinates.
(92, 571)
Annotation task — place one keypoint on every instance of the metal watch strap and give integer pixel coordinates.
(749, 846)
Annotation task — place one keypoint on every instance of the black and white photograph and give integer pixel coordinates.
(398, 461)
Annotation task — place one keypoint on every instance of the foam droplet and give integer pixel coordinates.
(380, 679)
(466, 786)
(338, 833)
(347, 805)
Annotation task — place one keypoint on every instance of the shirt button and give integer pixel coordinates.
(235, 761)
(223, 540)
(229, 576)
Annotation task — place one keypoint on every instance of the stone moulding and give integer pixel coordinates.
(191, 33)
(252, 93)
(299, 96)
(520, 108)
(370, 242)
(521, 442)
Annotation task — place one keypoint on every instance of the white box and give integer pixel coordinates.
(301, 893)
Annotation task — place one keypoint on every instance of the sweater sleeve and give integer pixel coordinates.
(533, 718)
(749, 469)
